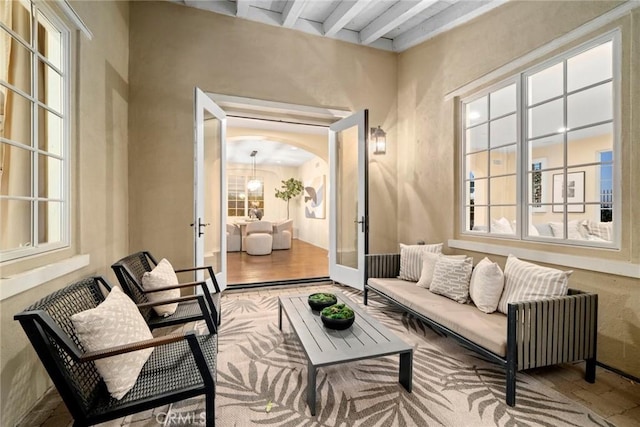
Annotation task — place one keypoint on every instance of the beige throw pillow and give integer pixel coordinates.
(162, 275)
(411, 260)
(524, 281)
(451, 278)
(485, 287)
(116, 321)
(429, 260)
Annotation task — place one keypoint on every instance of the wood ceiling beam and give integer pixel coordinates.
(291, 12)
(342, 15)
(242, 8)
(395, 16)
(449, 18)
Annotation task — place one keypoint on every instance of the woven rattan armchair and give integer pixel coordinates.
(180, 367)
(129, 271)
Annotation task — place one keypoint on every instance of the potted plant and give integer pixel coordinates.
(321, 300)
(338, 316)
(290, 188)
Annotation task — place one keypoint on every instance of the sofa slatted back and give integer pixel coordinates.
(556, 330)
(48, 326)
(383, 265)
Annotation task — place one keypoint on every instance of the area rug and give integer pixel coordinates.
(262, 379)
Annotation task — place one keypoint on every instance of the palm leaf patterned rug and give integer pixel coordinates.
(262, 379)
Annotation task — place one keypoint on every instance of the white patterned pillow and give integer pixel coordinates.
(524, 281)
(451, 278)
(601, 230)
(429, 260)
(411, 260)
(116, 321)
(162, 275)
(575, 231)
(486, 284)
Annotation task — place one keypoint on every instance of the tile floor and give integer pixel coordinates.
(614, 397)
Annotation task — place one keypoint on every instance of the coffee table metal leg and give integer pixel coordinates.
(279, 314)
(311, 388)
(406, 370)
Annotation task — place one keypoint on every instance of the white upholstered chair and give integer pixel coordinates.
(233, 238)
(259, 240)
(282, 233)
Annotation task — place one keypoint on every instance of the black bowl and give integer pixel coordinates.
(338, 324)
(317, 305)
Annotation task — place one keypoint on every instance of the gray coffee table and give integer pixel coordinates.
(367, 338)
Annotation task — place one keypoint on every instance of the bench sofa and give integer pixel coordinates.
(533, 334)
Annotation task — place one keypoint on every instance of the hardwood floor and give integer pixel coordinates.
(302, 261)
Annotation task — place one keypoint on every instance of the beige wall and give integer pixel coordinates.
(427, 157)
(174, 48)
(99, 167)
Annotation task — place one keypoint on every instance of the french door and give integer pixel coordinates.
(210, 213)
(348, 220)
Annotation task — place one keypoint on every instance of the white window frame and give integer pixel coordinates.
(519, 78)
(246, 179)
(65, 72)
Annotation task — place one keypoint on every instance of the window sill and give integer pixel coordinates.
(617, 268)
(13, 285)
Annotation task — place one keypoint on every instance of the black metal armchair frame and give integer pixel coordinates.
(181, 365)
(129, 271)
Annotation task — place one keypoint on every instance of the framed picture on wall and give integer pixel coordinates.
(575, 192)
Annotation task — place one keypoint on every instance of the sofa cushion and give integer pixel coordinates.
(575, 231)
(524, 281)
(429, 260)
(162, 275)
(411, 260)
(451, 278)
(114, 322)
(486, 330)
(485, 287)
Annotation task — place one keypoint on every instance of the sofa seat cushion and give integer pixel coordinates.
(486, 330)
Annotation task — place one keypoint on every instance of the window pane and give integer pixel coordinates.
(50, 222)
(17, 119)
(16, 170)
(503, 190)
(476, 111)
(590, 106)
(503, 220)
(546, 119)
(545, 84)
(503, 160)
(21, 19)
(503, 101)
(15, 228)
(477, 164)
(477, 219)
(49, 177)
(17, 71)
(592, 66)
(477, 138)
(479, 191)
(49, 87)
(540, 223)
(49, 132)
(49, 41)
(550, 148)
(585, 145)
(504, 131)
(590, 189)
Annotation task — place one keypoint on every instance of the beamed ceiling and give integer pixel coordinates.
(390, 25)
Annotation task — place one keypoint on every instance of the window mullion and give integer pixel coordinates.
(565, 141)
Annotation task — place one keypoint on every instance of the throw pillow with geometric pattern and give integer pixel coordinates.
(162, 275)
(451, 278)
(116, 321)
(411, 260)
(428, 266)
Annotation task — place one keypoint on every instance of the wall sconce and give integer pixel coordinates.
(379, 140)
